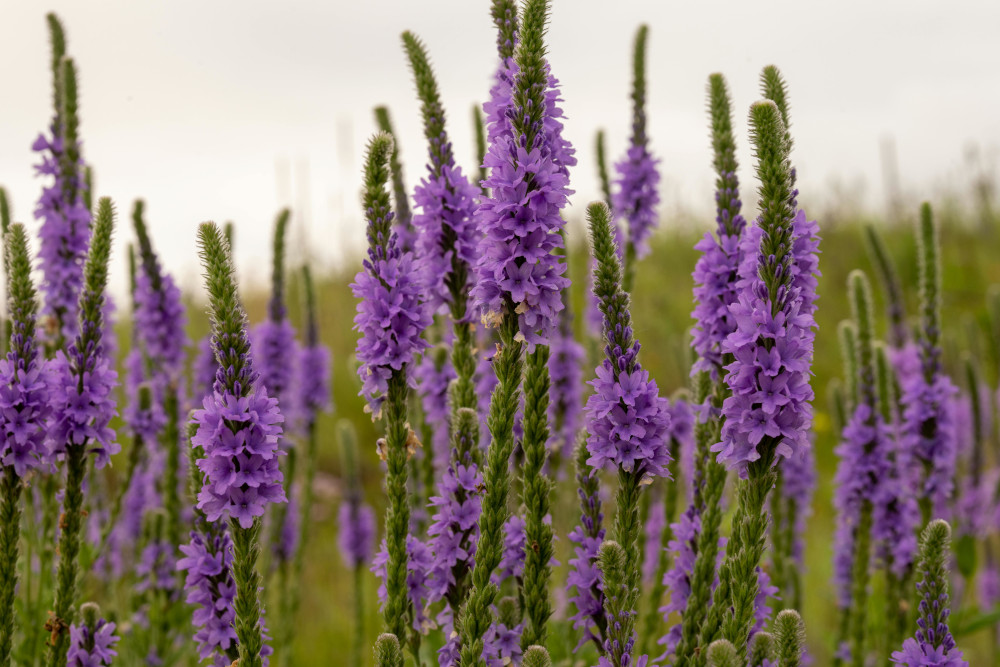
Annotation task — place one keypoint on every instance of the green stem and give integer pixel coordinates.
(10, 533)
(246, 549)
(477, 614)
(626, 532)
(71, 524)
(859, 585)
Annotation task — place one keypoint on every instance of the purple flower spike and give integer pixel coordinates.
(239, 436)
(92, 646)
(356, 538)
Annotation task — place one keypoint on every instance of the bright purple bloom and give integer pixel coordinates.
(454, 530)
(160, 321)
(521, 220)
(928, 433)
(275, 353)
(715, 275)
(419, 561)
(207, 563)
(356, 532)
(566, 357)
(65, 234)
(239, 436)
(434, 374)
(772, 348)
(637, 194)
(83, 406)
(627, 419)
(391, 318)
(446, 227)
(865, 464)
(25, 405)
(92, 647)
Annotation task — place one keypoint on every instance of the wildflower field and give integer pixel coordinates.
(552, 435)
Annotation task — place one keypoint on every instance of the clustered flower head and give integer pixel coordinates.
(637, 194)
(455, 524)
(929, 435)
(566, 357)
(772, 350)
(84, 405)
(627, 418)
(391, 316)
(65, 233)
(314, 379)
(25, 405)
(276, 350)
(207, 563)
(160, 320)
(356, 538)
(239, 436)
(584, 576)
(92, 645)
(446, 227)
(865, 466)
(434, 374)
(521, 220)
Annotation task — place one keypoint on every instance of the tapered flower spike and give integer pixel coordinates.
(715, 273)
(536, 656)
(66, 220)
(933, 643)
(504, 13)
(638, 176)
(519, 294)
(404, 224)
(391, 319)
(863, 473)
(895, 305)
(789, 637)
(628, 424)
(23, 419)
(447, 238)
(387, 651)
(756, 432)
(928, 419)
(722, 653)
(240, 411)
(762, 650)
(82, 379)
(588, 597)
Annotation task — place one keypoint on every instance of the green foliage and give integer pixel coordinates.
(276, 307)
(848, 334)
(723, 150)
(387, 651)
(431, 108)
(790, 638)
(722, 653)
(504, 13)
(762, 647)
(536, 656)
(602, 167)
(639, 86)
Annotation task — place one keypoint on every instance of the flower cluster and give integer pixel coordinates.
(24, 405)
(864, 467)
(566, 357)
(156, 567)
(627, 419)
(584, 576)
(314, 379)
(637, 195)
(83, 406)
(454, 530)
(160, 320)
(275, 354)
(356, 538)
(239, 436)
(446, 228)
(929, 435)
(92, 646)
(207, 561)
(65, 234)
(772, 351)
(391, 319)
(204, 369)
(434, 374)
(514, 543)
(521, 219)
(419, 561)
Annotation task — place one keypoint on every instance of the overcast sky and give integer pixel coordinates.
(225, 110)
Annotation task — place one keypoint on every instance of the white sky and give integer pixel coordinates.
(226, 110)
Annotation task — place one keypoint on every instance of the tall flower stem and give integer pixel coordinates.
(84, 370)
(246, 549)
(10, 533)
(477, 615)
(536, 489)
